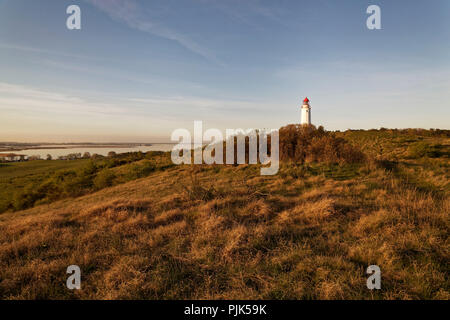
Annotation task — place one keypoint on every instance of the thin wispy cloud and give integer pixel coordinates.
(199, 103)
(31, 114)
(115, 74)
(130, 13)
(46, 52)
(252, 12)
(26, 99)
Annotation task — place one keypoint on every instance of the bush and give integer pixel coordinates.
(195, 190)
(78, 185)
(418, 150)
(140, 170)
(104, 179)
(90, 169)
(49, 190)
(303, 144)
(423, 149)
(25, 198)
(147, 167)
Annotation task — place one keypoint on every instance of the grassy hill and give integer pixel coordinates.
(225, 232)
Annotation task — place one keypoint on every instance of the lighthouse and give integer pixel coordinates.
(306, 112)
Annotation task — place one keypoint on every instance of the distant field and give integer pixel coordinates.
(26, 184)
(145, 229)
(35, 168)
(15, 176)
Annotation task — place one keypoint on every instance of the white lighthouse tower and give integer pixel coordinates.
(306, 112)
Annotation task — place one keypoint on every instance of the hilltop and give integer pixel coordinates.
(146, 229)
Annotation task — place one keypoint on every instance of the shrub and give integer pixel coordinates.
(104, 179)
(25, 198)
(139, 170)
(153, 154)
(423, 149)
(90, 169)
(196, 191)
(49, 190)
(147, 167)
(302, 144)
(78, 185)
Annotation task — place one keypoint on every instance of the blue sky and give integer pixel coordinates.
(137, 70)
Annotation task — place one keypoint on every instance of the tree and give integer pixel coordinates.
(111, 154)
(49, 157)
(86, 155)
(34, 157)
(74, 156)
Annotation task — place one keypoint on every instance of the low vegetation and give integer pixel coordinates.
(145, 229)
(300, 144)
(27, 184)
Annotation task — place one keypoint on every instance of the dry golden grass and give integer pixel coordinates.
(228, 233)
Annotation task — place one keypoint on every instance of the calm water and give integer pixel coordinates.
(55, 153)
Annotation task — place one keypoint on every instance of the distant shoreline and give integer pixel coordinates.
(11, 147)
